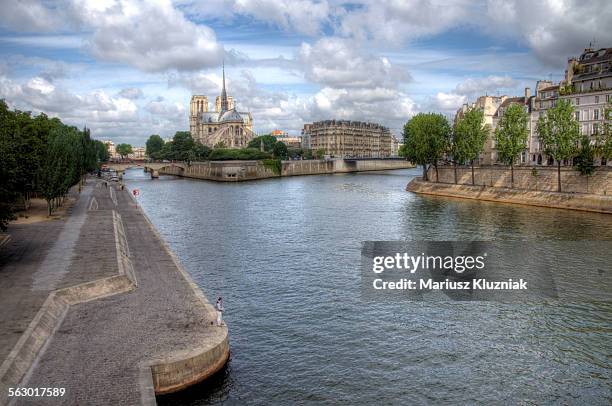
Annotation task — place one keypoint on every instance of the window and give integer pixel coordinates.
(596, 99)
(596, 114)
(577, 115)
(595, 128)
(577, 101)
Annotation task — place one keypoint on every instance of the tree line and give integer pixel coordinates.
(182, 147)
(429, 138)
(41, 157)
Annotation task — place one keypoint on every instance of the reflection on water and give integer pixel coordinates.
(284, 254)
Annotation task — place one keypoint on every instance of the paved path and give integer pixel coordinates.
(97, 352)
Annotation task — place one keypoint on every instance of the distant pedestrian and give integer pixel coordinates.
(219, 307)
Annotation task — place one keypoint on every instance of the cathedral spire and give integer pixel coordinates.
(224, 103)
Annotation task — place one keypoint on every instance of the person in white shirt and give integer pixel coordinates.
(219, 307)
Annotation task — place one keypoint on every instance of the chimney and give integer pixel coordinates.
(527, 93)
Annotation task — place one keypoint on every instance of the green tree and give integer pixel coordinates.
(605, 140)
(426, 139)
(201, 152)
(320, 153)
(511, 136)
(59, 167)
(8, 165)
(294, 152)
(585, 157)
(280, 150)
(101, 151)
(267, 140)
(123, 150)
(182, 144)
(559, 134)
(469, 136)
(154, 145)
(41, 155)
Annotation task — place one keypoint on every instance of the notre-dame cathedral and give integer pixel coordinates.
(225, 125)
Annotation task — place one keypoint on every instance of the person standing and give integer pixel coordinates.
(219, 307)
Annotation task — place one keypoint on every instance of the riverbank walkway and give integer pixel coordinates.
(97, 304)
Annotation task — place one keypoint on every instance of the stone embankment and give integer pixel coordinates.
(99, 305)
(234, 171)
(574, 201)
(538, 179)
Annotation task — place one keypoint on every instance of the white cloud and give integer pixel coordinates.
(131, 93)
(163, 108)
(480, 86)
(396, 21)
(553, 29)
(339, 62)
(448, 102)
(35, 16)
(95, 109)
(152, 36)
(302, 16)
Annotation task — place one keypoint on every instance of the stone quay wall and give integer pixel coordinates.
(573, 201)
(528, 178)
(235, 171)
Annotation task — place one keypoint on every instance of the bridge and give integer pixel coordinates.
(153, 167)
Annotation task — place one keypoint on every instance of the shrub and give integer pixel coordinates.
(275, 165)
(246, 154)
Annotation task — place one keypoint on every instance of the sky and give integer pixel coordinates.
(127, 68)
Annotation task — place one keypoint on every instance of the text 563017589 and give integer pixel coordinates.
(36, 392)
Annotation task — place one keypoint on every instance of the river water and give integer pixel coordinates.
(284, 254)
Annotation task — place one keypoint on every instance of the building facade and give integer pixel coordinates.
(294, 142)
(138, 153)
(348, 139)
(225, 126)
(587, 85)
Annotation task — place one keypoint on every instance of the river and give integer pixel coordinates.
(284, 254)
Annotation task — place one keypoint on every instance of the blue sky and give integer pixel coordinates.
(127, 68)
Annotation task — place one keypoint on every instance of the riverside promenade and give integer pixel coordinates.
(97, 304)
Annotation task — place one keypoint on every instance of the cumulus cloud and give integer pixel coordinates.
(302, 16)
(131, 93)
(396, 21)
(161, 107)
(94, 109)
(469, 90)
(205, 83)
(447, 102)
(486, 85)
(36, 16)
(305, 16)
(339, 62)
(553, 29)
(151, 36)
(355, 84)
